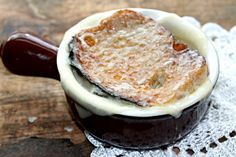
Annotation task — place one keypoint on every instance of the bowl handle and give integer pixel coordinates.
(25, 54)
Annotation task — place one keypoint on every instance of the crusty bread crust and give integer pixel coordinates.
(133, 57)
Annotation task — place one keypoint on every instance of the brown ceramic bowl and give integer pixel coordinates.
(25, 54)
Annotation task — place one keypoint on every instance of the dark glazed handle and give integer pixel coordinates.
(25, 54)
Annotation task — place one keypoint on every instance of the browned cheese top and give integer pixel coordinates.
(133, 57)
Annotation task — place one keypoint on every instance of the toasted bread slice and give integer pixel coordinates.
(133, 57)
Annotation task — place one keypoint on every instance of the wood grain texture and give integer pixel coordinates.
(34, 147)
(24, 97)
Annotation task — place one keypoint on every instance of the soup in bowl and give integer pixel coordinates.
(134, 78)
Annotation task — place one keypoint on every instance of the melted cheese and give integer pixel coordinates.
(80, 90)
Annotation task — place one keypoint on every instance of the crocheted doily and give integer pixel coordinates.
(216, 134)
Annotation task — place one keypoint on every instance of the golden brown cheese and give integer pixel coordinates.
(135, 58)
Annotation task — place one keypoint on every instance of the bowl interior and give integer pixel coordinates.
(77, 89)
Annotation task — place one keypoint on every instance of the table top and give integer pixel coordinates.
(34, 120)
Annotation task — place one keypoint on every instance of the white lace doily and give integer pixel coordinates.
(216, 134)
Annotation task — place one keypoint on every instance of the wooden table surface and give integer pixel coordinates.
(34, 120)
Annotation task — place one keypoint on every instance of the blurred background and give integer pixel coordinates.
(50, 18)
(36, 107)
